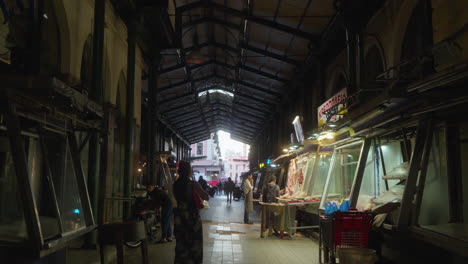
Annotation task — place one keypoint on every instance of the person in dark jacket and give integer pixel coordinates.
(203, 183)
(187, 223)
(161, 198)
(229, 189)
(271, 191)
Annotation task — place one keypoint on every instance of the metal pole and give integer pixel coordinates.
(96, 95)
(130, 105)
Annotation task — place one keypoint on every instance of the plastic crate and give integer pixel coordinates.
(351, 229)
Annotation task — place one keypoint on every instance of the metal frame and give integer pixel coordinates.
(36, 240)
(423, 135)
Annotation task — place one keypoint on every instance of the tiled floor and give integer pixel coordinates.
(227, 240)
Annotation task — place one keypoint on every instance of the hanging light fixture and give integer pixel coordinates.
(195, 56)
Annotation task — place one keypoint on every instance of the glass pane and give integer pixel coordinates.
(12, 224)
(464, 167)
(343, 172)
(308, 181)
(66, 187)
(43, 194)
(320, 174)
(373, 191)
(435, 200)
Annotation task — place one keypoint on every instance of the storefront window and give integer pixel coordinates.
(64, 178)
(320, 174)
(341, 175)
(308, 174)
(435, 200)
(373, 190)
(12, 224)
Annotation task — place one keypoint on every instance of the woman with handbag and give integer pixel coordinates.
(187, 224)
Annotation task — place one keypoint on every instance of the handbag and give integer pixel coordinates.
(196, 198)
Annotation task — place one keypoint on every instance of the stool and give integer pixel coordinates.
(117, 233)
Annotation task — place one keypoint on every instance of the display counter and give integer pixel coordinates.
(342, 171)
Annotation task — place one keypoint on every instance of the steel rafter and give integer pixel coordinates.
(233, 121)
(181, 114)
(177, 84)
(178, 121)
(235, 115)
(254, 19)
(210, 20)
(178, 107)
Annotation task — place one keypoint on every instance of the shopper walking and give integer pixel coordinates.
(271, 191)
(187, 224)
(229, 189)
(248, 198)
(161, 198)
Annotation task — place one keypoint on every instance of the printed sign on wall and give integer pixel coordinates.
(331, 102)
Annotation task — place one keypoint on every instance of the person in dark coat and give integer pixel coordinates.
(187, 223)
(161, 198)
(203, 183)
(271, 191)
(229, 189)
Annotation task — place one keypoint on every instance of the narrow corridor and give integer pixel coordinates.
(227, 240)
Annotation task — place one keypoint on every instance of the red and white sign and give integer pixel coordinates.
(331, 102)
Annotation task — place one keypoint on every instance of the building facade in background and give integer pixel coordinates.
(206, 159)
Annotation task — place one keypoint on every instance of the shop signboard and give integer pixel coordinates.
(298, 129)
(336, 100)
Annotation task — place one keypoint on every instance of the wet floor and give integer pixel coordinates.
(228, 240)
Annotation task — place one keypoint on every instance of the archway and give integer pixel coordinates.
(86, 72)
(50, 58)
(119, 147)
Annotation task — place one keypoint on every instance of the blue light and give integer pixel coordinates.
(76, 211)
(268, 161)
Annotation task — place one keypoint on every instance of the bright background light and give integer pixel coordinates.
(216, 91)
(229, 145)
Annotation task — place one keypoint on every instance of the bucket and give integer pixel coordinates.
(357, 256)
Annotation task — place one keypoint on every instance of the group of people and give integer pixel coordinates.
(187, 223)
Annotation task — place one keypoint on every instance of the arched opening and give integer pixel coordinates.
(418, 36)
(119, 148)
(50, 58)
(373, 67)
(86, 73)
(340, 83)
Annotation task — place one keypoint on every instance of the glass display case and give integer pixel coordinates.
(442, 213)
(342, 172)
(320, 173)
(384, 174)
(43, 196)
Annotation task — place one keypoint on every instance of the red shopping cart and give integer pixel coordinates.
(344, 230)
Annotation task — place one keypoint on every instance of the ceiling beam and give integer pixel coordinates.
(178, 107)
(236, 115)
(211, 20)
(180, 115)
(177, 84)
(254, 19)
(270, 54)
(252, 70)
(233, 122)
(244, 83)
(176, 122)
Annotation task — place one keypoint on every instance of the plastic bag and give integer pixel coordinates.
(206, 205)
(344, 206)
(330, 208)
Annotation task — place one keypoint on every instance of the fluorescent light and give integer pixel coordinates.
(216, 91)
(285, 150)
(295, 120)
(332, 125)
